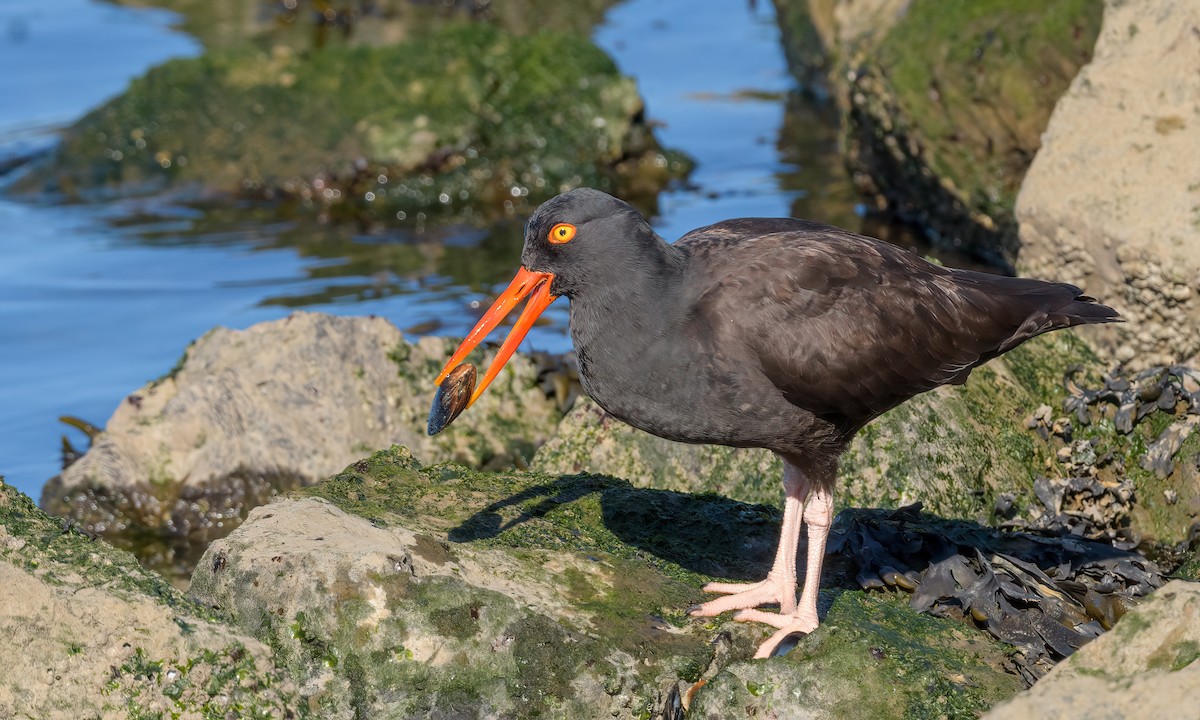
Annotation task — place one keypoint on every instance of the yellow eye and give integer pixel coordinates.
(562, 232)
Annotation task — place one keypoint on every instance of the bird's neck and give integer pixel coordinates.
(644, 302)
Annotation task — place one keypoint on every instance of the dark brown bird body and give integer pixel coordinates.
(774, 333)
(791, 335)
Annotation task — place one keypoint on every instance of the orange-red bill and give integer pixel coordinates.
(537, 286)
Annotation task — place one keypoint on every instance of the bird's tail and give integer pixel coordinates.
(1083, 310)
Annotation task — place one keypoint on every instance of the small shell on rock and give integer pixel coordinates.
(452, 397)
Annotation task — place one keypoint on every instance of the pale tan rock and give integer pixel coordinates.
(1145, 667)
(280, 405)
(1112, 200)
(863, 19)
(86, 633)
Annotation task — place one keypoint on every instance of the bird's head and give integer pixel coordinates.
(582, 237)
(572, 241)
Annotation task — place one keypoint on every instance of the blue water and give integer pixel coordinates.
(97, 299)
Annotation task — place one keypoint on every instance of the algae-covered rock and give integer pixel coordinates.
(86, 632)
(1146, 667)
(1112, 200)
(460, 121)
(402, 591)
(396, 589)
(282, 404)
(944, 103)
(873, 658)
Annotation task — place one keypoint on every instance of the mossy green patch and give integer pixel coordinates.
(979, 80)
(872, 657)
(213, 684)
(681, 535)
(944, 104)
(461, 120)
(53, 548)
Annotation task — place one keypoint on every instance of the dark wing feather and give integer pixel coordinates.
(847, 327)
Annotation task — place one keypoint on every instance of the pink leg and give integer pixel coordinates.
(780, 586)
(818, 515)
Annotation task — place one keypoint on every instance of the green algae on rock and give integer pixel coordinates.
(944, 103)
(460, 121)
(402, 589)
(440, 590)
(89, 633)
(873, 657)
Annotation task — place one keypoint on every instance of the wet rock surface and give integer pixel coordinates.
(86, 632)
(1145, 668)
(1128, 125)
(408, 590)
(248, 413)
(406, 131)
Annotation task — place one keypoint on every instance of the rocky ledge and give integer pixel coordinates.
(249, 413)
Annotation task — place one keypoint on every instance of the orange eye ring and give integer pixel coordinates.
(561, 233)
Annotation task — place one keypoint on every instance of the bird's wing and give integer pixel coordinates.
(846, 326)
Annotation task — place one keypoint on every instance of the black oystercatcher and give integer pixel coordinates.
(772, 333)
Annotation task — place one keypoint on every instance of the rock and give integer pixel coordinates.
(1129, 125)
(88, 633)
(1144, 668)
(873, 658)
(462, 122)
(444, 592)
(248, 413)
(943, 105)
(402, 590)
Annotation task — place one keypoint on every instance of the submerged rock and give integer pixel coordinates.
(88, 633)
(1145, 668)
(462, 121)
(248, 413)
(396, 589)
(1130, 128)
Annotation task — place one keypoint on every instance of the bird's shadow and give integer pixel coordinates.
(723, 538)
(705, 534)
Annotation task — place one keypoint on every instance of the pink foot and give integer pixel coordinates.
(774, 590)
(800, 621)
